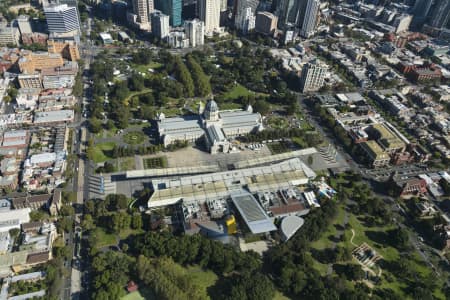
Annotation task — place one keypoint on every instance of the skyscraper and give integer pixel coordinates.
(310, 20)
(143, 8)
(245, 21)
(313, 75)
(266, 22)
(245, 14)
(291, 12)
(173, 9)
(62, 19)
(440, 14)
(209, 11)
(160, 24)
(195, 32)
(287, 12)
(421, 10)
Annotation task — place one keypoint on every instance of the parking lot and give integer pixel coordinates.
(192, 156)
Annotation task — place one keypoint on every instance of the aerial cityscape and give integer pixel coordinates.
(224, 149)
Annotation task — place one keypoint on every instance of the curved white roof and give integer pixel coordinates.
(290, 225)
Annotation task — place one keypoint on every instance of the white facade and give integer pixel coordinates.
(4, 84)
(402, 23)
(24, 24)
(177, 39)
(160, 25)
(313, 75)
(13, 218)
(62, 19)
(228, 124)
(209, 11)
(223, 5)
(142, 9)
(310, 20)
(9, 36)
(195, 32)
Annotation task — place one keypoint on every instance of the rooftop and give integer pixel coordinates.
(53, 116)
(216, 185)
(376, 151)
(252, 213)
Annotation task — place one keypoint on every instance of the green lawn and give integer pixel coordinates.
(144, 68)
(134, 137)
(320, 267)
(133, 296)
(204, 279)
(126, 164)
(136, 93)
(104, 239)
(230, 105)
(389, 253)
(102, 151)
(324, 241)
(277, 122)
(155, 162)
(236, 92)
(278, 147)
(279, 296)
(126, 233)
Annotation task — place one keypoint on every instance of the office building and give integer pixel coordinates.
(245, 20)
(287, 11)
(67, 49)
(177, 39)
(223, 5)
(24, 24)
(440, 14)
(37, 61)
(291, 12)
(266, 23)
(313, 75)
(160, 25)
(209, 11)
(310, 20)
(62, 19)
(421, 11)
(30, 81)
(195, 32)
(9, 35)
(173, 9)
(190, 9)
(402, 22)
(142, 9)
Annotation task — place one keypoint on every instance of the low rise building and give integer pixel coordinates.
(30, 81)
(377, 157)
(67, 49)
(30, 62)
(53, 117)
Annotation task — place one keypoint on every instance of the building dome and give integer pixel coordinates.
(211, 106)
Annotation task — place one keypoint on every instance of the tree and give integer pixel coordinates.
(262, 106)
(65, 224)
(14, 233)
(399, 238)
(202, 85)
(136, 82)
(67, 210)
(136, 221)
(69, 197)
(95, 125)
(88, 222)
(183, 75)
